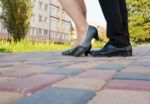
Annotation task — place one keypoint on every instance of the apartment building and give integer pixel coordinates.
(60, 24)
(49, 22)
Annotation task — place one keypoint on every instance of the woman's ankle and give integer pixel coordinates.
(76, 43)
(82, 29)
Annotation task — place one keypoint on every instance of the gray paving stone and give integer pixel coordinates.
(141, 63)
(110, 66)
(132, 76)
(58, 96)
(63, 64)
(66, 71)
(85, 65)
(148, 54)
(3, 65)
(141, 50)
(97, 74)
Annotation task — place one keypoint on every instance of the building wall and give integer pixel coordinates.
(49, 22)
(60, 24)
(40, 20)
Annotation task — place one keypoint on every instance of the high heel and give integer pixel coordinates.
(70, 52)
(88, 51)
(86, 45)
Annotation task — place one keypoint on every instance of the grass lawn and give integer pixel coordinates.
(29, 46)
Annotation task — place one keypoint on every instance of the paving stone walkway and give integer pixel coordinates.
(49, 78)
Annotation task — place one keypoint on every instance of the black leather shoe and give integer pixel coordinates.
(86, 45)
(70, 52)
(82, 50)
(110, 50)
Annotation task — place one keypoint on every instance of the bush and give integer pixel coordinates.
(139, 16)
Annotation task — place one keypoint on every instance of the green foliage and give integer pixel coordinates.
(98, 44)
(139, 16)
(16, 15)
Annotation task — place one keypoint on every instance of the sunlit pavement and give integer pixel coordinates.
(49, 78)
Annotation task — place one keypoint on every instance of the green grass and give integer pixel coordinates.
(29, 46)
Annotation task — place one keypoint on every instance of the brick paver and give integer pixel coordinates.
(6, 69)
(50, 78)
(97, 74)
(129, 85)
(3, 65)
(132, 76)
(89, 84)
(121, 97)
(9, 98)
(58, 96)
(137, 69)
(66, 71)
(31, 84)
(6, 79)
(142, 63)
(110, 66)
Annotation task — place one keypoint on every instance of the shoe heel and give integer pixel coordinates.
(96, 37)
(125, 54)
(87, 52)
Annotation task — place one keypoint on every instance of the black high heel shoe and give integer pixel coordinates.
(70, 52)
(86, 45)
(88, 51)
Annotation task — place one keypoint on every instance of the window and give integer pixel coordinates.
(45, 32)
(39, 32)
(46, 19)
(46, 7)
(40, 18)
(40, 5)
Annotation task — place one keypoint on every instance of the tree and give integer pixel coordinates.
(139, 17)
(16, 15)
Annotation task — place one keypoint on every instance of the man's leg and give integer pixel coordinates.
(124, 14)
(115, 13)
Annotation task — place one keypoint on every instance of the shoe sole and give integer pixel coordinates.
(121, 54)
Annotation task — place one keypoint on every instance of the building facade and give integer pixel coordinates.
(49, 22)
(60, 23)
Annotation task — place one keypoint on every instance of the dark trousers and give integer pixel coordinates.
(115, 13)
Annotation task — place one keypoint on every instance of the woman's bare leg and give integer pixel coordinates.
(73, 9)
(83, 7)
(84, 12)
